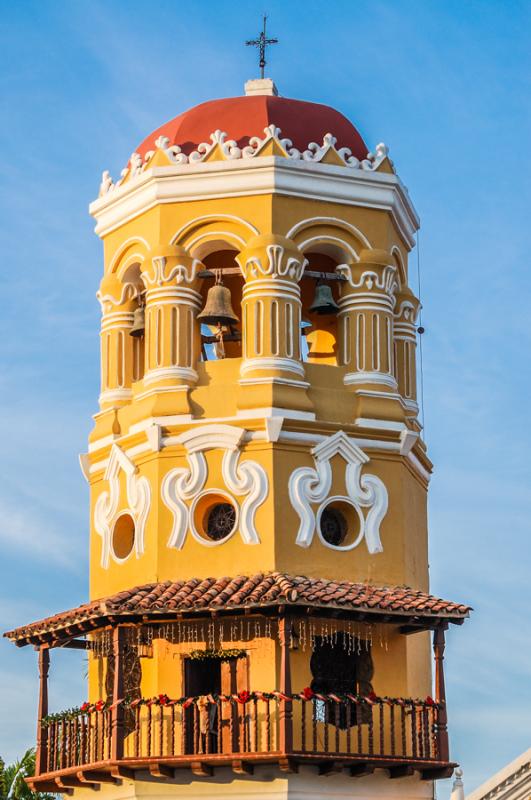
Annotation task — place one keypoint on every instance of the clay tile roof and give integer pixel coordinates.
(198, 595)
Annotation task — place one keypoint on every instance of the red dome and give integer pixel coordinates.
(243, 117)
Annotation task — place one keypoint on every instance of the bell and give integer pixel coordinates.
(323, 302)
(139, 323)
(218, 307)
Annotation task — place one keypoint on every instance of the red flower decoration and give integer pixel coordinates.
(244, 697)
(85, 707)
(163, 699)
(308, 693)
(372, 696)
(99, 705)
(429, 701)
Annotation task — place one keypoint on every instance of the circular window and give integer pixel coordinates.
(123, 536)
(340, 523)
(214, 517)
(333, 526)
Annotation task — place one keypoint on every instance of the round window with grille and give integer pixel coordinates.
(214, 517)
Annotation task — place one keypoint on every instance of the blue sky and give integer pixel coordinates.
(446, 85)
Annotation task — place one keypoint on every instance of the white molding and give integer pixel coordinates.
(266, 175)
(179, 236)
(197, 534)
(379, 424)
(246, 479)
(106, 507)
(113, 395)
(271, 363)
(275, 411)
(311, 485)
(271, 380)
(166, 373)
(334, 222)
(381, 378)
(356, 508)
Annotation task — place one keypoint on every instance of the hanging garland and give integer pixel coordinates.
(220, 655)
(243, 697)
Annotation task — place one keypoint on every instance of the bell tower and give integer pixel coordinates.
(259, 608)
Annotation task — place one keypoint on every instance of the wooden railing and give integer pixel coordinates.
(398, 730)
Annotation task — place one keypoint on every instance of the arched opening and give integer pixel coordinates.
(227, 342)
(319, 331)
(132, 276)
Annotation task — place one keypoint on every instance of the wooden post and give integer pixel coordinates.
(286, 706)
(440, 695)
(41, 758)
(118, 727)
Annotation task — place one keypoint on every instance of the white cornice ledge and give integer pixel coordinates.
(265, 175)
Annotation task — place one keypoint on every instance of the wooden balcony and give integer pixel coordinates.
(241, 732)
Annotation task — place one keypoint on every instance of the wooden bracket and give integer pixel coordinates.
(161, 771)
(403, 771)
(242, 767)
(201, 769)
(288, 765)
(360, 770)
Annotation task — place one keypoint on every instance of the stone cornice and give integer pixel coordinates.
(267, 175)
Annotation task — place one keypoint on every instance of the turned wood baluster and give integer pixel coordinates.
(440, 695)
(63, 743)
(41, 757)
(196, 730)
(414, 729)
(303, 724)
(426, 721)
(314, 726)
(382, 737)
(326, 732)
(403, 723)
(138, 723)
(254, 742)
(219, 717)
(118, 716)
(349, 725)
(286, 706)
(172, 733)
(358, 723)
(268, 725)
(371, 730)
(149, 728)
(393, 736)
(161, 731)
(183, 731)
(337, 721)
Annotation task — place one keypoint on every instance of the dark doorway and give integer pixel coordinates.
(202, 676)
(335, 670)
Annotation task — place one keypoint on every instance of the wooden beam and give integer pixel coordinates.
(286, 706)
(76, 644)
(41, 756)
(443, 750)
(118, 722)
(118, 771)
(74, 782)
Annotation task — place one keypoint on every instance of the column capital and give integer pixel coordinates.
(115, 295)
(406, 307)
(374, 273)
(171, 265)
(271, 256)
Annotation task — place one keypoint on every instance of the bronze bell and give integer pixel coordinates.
(139, 323)
(218, 307)
(323, 302)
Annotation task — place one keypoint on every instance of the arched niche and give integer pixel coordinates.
(220, 255)
(320, 345)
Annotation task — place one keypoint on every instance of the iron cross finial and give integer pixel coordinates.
(262, 42)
